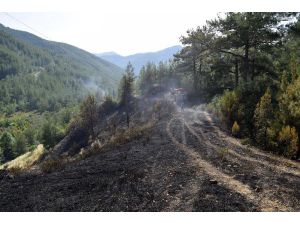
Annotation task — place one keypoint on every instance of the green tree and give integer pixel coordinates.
(51, 134)
(263, 116)
(289, 104)
(89, 115)
(126, 90)
(20, 144)
(248, 33)
(6, 144)
(127, 85)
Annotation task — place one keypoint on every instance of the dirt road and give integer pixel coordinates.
(261, 179)
(188, 164)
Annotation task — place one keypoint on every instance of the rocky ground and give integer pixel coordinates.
(188, 164)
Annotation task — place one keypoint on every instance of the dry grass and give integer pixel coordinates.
(51, 165)
(25, 161)
(121, 137)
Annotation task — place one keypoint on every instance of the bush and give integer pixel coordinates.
(288, 139)
(235, 129)
(227, 104)
(222, 152)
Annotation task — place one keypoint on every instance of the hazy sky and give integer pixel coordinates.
(123, 26)
(97, 32)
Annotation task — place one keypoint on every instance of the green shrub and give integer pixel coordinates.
(222, 152)
(288, 139)
(228, 103)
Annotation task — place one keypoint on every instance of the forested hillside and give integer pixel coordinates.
(42, 75)
(41, 84)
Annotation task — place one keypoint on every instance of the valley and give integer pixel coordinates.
(209, 125)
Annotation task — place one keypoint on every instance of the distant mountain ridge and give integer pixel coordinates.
(140, 59)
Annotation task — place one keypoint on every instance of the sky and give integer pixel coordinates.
(122, 26)
(124, 33)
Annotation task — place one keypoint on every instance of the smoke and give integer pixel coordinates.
(94, 87)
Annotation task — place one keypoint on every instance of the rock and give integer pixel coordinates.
(213, 181)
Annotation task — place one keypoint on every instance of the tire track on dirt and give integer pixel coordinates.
(226, 180)
(252, 149)
(189, 193)
(245, 157)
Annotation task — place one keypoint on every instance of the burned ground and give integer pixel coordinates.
(186, 164)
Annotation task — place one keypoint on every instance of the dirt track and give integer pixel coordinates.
(179, 169)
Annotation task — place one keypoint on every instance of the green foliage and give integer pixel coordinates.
(50, 135)
(36, 74)
(262, 117)
(227, 106)
(289, 141)
(126, 87)
(234, 59)
(153, 78)
(88, 115)
(289, 104)
(6, 144)
(28, 129)
(20, 146)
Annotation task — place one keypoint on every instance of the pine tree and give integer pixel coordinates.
(126, 90)
(89, 115)
(6, 144)
(263, 117)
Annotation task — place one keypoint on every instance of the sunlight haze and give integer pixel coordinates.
(125, 34)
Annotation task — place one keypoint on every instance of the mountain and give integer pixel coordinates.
(140, 59)
(38, 74)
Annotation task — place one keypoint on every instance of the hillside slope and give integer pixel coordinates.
(140, 59)
(32, 67)
(178, 165)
